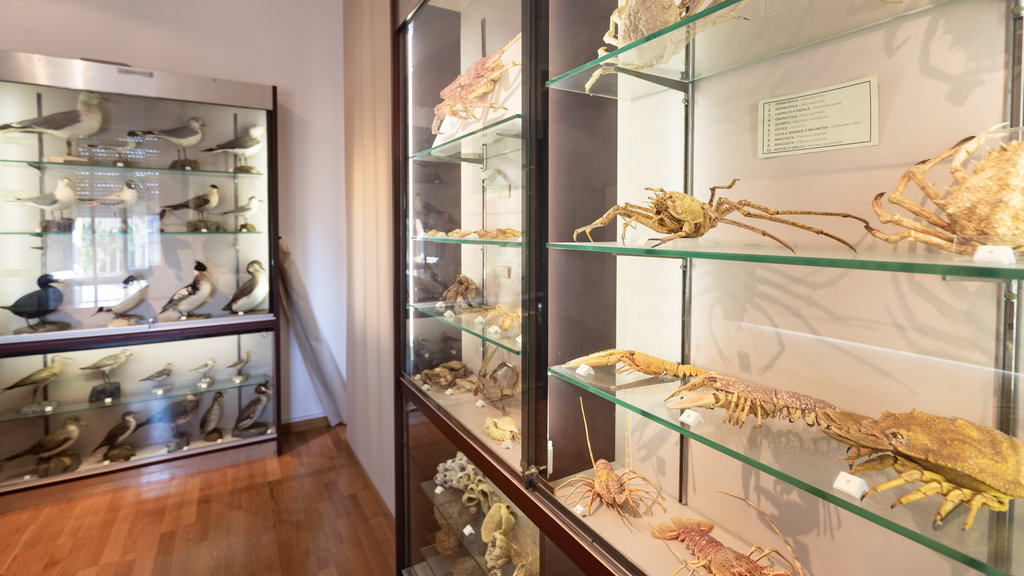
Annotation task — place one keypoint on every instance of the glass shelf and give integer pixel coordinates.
(730, 34)
(137, 171)
(801, 456)
(467, 323)
(502, 137)
(518, 243)
(922, 262)
(179, 391)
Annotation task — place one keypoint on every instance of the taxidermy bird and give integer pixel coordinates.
(108, 364)
(54, 442)
(84, 120)
(41, 377)
(176, 413)
(253, 291)
(120, 432)
(205, 367)
(62, 198)
(193, 295)
(38, 304)
(243, 146)
(241, 362)
(161, 374)
(212, 415)
(183, 137)
(134, 292)
(246, 211)
(206, 201)
(254, 409)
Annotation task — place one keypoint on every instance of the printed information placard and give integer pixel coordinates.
(833, 118)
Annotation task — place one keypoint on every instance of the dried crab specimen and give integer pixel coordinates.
(680, 215)
(496, 234)
(461, 97)
(637, 19)
(613, 489)
(984, 206)
(502, 429)
(633, 361)
(742, 399)
(444, 375)
(970, 464)
(716, 558)
(463, 290)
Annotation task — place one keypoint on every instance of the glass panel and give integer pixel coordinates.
(177, 401)
(465, 217)
(729, 34)
(135, 213)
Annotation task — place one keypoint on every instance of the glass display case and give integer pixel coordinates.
(867, 320)
(137, 275)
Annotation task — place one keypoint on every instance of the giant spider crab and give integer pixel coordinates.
(460, 98)
(682, 216)
(984, 206)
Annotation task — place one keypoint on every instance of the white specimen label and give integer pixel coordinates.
(468, 530)
(159, 392)
(519, 339)
(479, 320)
(449, 392)
(449, 315)
(691, 418)
(439, 490)
(439, 306)
(846, 482)
(832, 118)
(584, 371)
(481, 404)
(994, 255)
(425, 387)
(507, 444)
(494, 330)
(580, 511)
(108, 401)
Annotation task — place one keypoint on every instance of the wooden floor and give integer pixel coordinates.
(311, 511)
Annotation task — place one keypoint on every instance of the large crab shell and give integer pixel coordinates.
(967, 454)
(641, 18)
(988, 203)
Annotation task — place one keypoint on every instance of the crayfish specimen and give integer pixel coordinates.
(682, 216)
(611, 488)
(716, 558)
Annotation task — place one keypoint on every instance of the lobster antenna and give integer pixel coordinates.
(587, 430)
(798, 566)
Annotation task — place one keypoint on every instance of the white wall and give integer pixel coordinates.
(294, 45)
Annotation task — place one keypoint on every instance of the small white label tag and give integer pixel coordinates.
(159, 392)
(108, 401)
(479, 320)
(439, 490)
(519, 339)
(580, 511)
(468, 530)
(48, 409)
(507, 444)
(449, 315)
(425, 387)
(846, 482)
(691, 418)
(584, 370)
(439, 306)
(449, 392)
(481, 404)
(1002, 255)
(494, 330)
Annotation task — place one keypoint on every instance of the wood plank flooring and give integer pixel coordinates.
(311, 511)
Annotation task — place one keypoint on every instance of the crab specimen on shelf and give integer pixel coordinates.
(462, 96)
(984, 206)
(463, 290)
(680, 215)
(967, 463)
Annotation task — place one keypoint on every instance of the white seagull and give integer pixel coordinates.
(253, 291)
(84, 120)
(183, 137)
(243, 146)
(62, 198)
(246, 211)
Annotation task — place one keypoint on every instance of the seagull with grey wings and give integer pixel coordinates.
(184, 136)
(246, 211)
(243, 147)
(62, 198)
(53, 443)
(193, 295)
(84, 120)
